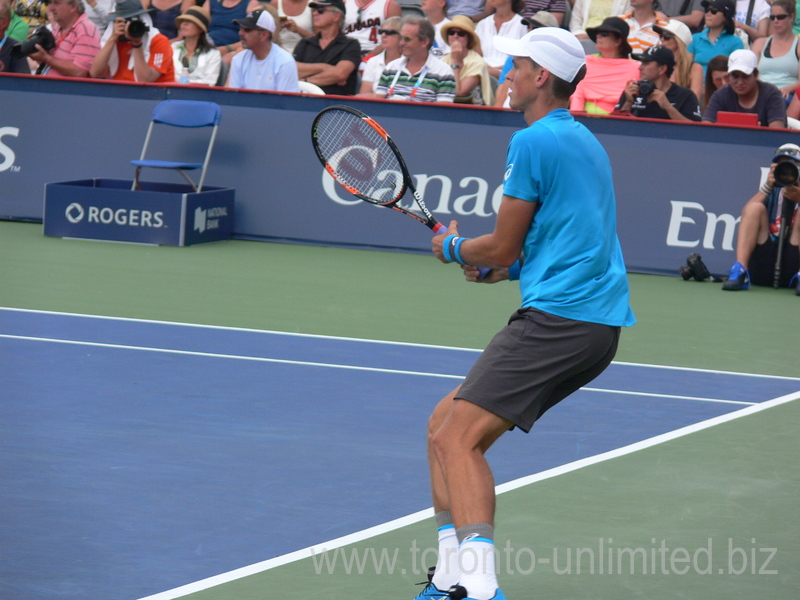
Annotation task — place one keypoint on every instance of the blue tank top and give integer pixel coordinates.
(164, 20)
(222, 29)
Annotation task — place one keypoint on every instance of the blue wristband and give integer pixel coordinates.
(457, 250)
(446, 244)
(514, 271)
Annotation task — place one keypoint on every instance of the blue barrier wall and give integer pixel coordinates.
(680, 187)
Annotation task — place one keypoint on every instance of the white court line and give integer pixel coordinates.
(364, 340)
(416, 517)
(335, 366)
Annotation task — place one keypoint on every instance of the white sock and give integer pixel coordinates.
(447, 573)
(476, 560)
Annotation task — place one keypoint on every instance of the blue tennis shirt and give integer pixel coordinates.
(573, 265)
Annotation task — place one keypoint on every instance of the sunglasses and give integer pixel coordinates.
(388, 32)
(778, 17)
(458, 32)
(713, 11)
(667, 37)
(320, 10)
(406, 39)
(604, 34)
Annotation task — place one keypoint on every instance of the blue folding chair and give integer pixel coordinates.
(181, 113)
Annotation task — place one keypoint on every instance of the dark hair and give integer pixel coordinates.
(564, 89)
(787, 5)
(517, 6)
(718, 63)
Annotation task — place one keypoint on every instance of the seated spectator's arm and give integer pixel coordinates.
(65, 67)
(99, 67)
(576, 25)
(326, 74)
(710, 116)
(143, 71)
(693, 19)
(501, 94)
(696, 82)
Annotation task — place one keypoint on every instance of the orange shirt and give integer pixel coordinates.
(160, 59)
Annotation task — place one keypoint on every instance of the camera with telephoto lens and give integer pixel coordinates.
(42, 36)
(646, 87)
(694, 267)
(786, 173)
(136, 27)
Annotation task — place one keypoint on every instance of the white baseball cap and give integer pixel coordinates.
(555, 49)
(744, 61)
(676, 28)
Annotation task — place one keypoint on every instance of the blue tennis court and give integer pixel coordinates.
(139, 456)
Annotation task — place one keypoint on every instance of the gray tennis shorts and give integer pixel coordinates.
(536, 361)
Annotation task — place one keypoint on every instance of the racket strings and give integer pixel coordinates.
(360, 156)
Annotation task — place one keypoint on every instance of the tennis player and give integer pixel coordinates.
(556, 233)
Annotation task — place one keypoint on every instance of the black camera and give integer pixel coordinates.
(786, 173)
(694, 267)
(646, 87)
(136, 27)
(42, 36)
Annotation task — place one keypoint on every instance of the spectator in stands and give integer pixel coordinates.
(436, 12)
(716, 77)
(641, 21)
(77, 42)
(262, 65)
(295, 20)
(758, 236)
(329, 59)
(779, 54)
(228, 51)
(747, 94)
(417, 75)
(33, 12)
(18, 28)
(758, 24)
(10, 62)
(717, 38)
(98, 12)
(145, 58)
(193, 55)
(390, 40)
(557, 8)
(222, 28)
(688, 12)
(608, 72)
(587, 14)
(363, 19)
(474, 9)
(540, 19)
(666, 100)
(505, 22)
(676, 36)
(163, 13)
(469, 68)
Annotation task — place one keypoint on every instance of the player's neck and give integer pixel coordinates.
(542, 107)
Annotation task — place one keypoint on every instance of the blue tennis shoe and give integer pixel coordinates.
(431, 592)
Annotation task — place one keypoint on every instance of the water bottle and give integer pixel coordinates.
(184, 78)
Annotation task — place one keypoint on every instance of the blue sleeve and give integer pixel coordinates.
(526, 175)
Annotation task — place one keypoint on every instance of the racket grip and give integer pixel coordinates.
(483, 272)
(439, 229)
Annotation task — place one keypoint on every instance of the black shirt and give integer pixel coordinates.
(9, 64)
(682, 98)
(341, 48)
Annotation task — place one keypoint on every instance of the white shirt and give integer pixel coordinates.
(277, 72)
(486, 31)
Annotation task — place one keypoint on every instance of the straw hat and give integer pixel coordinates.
(463, 23)
(195, 15)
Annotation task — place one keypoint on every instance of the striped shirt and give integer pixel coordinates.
(433, 83)
(79, 44)
(641, 37)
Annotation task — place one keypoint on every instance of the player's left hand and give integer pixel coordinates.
(437, 240)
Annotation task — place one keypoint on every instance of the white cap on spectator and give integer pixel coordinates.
(555, 49)
(677, 28)
(258, 19)
(744, 61)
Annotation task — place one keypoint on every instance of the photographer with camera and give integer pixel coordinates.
(71, 48)
(132, 49)
(654, 96)
(768, 241)
(10, 59)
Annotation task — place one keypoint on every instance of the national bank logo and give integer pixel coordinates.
(207, 219)
(75, 213)
(7, 154)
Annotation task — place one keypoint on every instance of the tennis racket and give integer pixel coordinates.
(360, 155)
